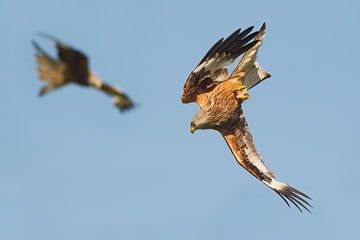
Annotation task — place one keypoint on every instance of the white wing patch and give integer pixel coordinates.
(255, 159)
(255, 75)
(213, 64)
(276, 185)
(248, 64)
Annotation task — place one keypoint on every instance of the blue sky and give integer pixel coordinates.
(72, 167)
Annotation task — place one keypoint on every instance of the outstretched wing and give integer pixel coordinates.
(240, 141)
(122, 101)
(77, 69)
(49, 69)
(254, 73)
(212, 69)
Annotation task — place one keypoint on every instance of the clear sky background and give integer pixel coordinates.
(72, 167)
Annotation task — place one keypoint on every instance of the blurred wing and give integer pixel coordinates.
(76, 61)
(254, 73)
(211, 68)
(122, 101)
(49, 69)
(241, 143)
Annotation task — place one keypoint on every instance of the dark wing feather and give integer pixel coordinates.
(212, 50)
(242, 46)
(236, 39)
(240, 141)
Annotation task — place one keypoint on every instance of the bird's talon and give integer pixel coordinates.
(242, 95)
(242, 88)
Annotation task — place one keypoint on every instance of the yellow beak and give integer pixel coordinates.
(193, 129)
(246, 96)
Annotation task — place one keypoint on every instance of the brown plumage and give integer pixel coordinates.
(72, 67)
(221, 110)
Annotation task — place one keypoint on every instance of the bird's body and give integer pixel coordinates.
(220, 97)
(221, 106)
(72, 67)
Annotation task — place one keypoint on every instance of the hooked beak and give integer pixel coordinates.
(246, 96)
(193, 129)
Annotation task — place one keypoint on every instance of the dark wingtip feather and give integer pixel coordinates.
(56, 41)
(293, 202)
(42, 92)
(35, 45)
(298, 192)
(246, 32)
(124, 105)
(230, 40)
(232, 45)
(301, 203)
(212, 50)
(287, 203)
(295, 197)
(263, 27)
(123, 109)
(235, 52)
(48, 36)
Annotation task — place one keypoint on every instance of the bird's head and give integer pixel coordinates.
(199, 121)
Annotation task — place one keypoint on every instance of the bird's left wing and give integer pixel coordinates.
(240, 141)
(49, 69)
(212, 68)
(249, 69)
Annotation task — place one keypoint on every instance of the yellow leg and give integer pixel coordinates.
(242, 87)
(241, 93)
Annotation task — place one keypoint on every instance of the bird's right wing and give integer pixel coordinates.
(212, 69)
(254, 73)
(240, 141)
(122, 101)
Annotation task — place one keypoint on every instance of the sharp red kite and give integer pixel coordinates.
(220, 96)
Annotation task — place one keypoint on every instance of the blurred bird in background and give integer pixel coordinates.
(72, 66)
